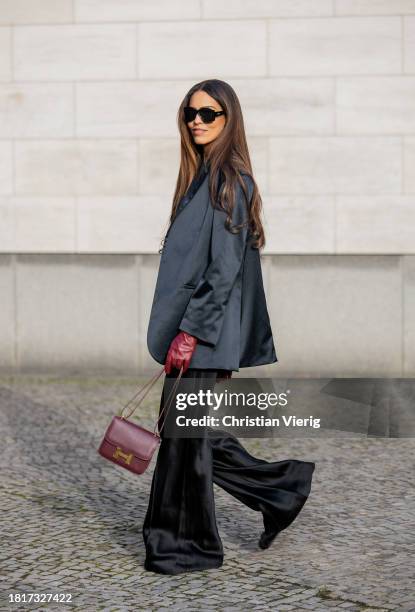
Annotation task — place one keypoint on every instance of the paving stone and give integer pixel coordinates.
(71, 521)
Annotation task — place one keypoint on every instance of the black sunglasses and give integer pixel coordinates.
(207, 115)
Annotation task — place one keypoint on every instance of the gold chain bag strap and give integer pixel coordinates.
(128, 444)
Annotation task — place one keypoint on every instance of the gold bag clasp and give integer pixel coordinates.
(119, 454)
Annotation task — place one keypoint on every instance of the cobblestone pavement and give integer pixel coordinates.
(71, 521)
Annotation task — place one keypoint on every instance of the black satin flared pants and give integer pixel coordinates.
(179, 530)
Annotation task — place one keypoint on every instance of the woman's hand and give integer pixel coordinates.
(180, 352)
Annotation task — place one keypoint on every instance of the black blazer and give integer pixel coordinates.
(210, 285)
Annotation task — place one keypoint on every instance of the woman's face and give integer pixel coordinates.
(203, 133)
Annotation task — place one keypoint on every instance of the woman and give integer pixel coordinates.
(209, 316)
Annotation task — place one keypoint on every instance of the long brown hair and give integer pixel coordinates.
(228, 157)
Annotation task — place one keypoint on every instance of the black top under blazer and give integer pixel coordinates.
(210, 285)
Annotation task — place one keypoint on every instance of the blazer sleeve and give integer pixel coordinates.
(204, 315)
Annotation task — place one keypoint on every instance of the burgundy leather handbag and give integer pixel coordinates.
(128, 444)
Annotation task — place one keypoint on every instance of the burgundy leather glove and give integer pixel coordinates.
(180, 352)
